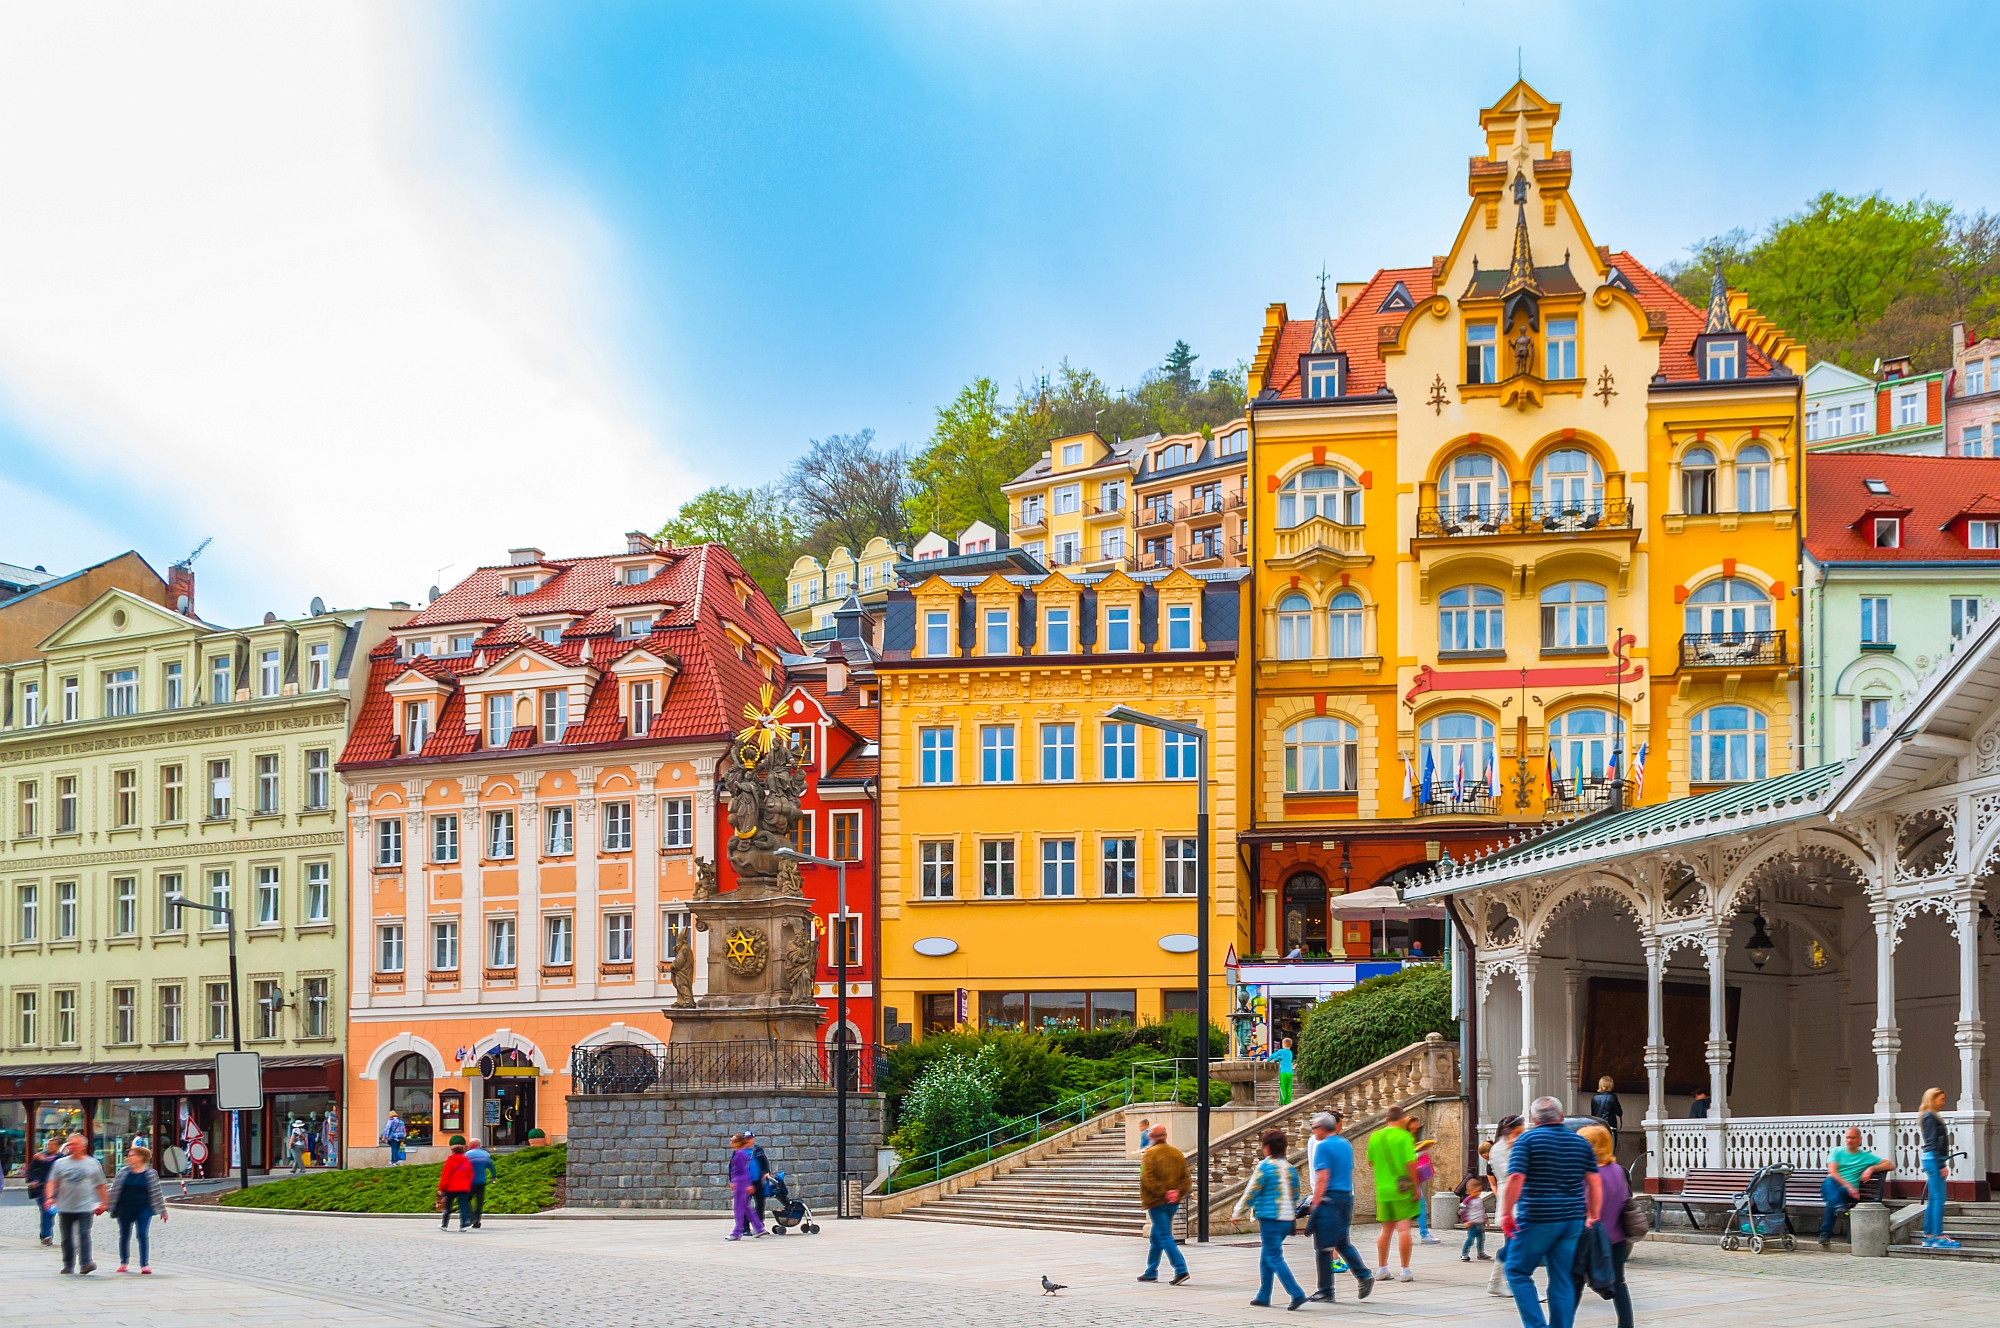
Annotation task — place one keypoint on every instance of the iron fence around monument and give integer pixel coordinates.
(629, 1067)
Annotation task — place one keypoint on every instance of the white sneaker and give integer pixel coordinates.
(1382, 1273)
(1432, 1240)
(1499, 1291)
(1402, 1275)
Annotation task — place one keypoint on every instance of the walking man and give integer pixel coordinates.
(81, 1192)
(482, 1171)
(1163, 1179)
(1333, 1206)
(1392, 1152)
(1552, 1193)
(37, 1180)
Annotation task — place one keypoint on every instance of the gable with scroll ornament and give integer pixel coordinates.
(1986, 748)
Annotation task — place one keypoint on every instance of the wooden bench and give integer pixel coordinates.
(1720, 1187)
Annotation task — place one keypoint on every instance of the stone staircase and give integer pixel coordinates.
(1092, 1187)
(1976, 1226)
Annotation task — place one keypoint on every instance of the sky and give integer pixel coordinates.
(370, 294)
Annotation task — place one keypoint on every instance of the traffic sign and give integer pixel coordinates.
(239, 1081)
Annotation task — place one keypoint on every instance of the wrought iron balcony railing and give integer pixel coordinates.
(1470, 520)
(1732, 650)
(1442, 803)
(625, 1067)
(1591, 795)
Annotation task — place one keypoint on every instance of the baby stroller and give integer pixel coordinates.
(1759, 1213)
(788, 1212)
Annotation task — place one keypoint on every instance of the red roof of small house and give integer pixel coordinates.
(699, 588)
(1934, 496)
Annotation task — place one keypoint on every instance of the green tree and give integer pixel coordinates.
(756, 525)
(1358, 1027)
(955, 480)
(845, 490)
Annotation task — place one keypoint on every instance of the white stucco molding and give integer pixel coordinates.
(399, 1046)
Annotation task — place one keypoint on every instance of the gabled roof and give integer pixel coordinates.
(1685, 322)
(1936, 724)
(1356, 333)
(1929, 492)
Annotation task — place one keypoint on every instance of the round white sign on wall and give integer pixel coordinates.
(1179, 943)
(935, 947)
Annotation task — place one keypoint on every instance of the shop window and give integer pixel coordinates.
(410, 1097)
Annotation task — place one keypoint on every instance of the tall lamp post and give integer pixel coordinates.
(228, 916)
(1127, 715)
(839, 1018)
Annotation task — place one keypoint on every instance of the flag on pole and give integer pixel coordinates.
(1553, 771)
(1409, 777)
(1612, 763)
(1639, 772)
(1493, 777)
(1430, 775)
(1458, 778)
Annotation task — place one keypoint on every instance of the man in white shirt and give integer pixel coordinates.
(81, 1192)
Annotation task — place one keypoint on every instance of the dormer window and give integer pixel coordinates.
(1176, 455)
(637, 626)
(1982, 534)
(417, 646)
(1072, 454)
(416, 726)
(638, 576)
(1322, 378)
(1909, 409)
(550, 635)
(1234, 443)
(521, 585)
(461, 645)
(1722, 360)
(937, 634)
(1888, 532)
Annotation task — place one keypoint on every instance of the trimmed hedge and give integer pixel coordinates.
(522, 1182)
(1358, 1027)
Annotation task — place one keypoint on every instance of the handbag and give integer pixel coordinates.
(1634, 1219)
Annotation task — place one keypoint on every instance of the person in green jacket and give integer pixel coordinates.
(1392, 1153)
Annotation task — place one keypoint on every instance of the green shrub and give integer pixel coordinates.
(952, 1099)
(1358, 1027)
(522, 1182)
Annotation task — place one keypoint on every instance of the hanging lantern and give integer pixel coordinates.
(1759, 945)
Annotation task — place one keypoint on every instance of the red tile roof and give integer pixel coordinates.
(705, 699)
(1937, 491)
(1684, 323)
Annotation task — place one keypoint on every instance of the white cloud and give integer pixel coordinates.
(266, 273)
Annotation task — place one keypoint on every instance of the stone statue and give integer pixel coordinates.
(764, 794)
(789, 880)
(799, 964)
(684, 977)
(1524, 352)
(704, 878)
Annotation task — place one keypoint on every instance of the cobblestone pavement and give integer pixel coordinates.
(253, 1269)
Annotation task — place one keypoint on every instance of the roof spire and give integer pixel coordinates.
(1718, 303)
(1521, 286)
(1322, 342)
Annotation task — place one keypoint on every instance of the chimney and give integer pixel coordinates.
(524, 557)
(836, 668)
(180, 588)
(638, 541)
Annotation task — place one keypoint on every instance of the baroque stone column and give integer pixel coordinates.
(1716, 944)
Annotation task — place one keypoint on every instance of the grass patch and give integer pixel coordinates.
(522, 1182)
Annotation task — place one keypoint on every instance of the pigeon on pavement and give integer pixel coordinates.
(1050, 1288)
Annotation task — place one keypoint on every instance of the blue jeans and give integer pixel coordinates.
(1621, 1295)
(1423, 1214)
(1933, 1195)
(1475, 1231)
(48, 1220)
(1272, 1259)
(1160, 1239)
(1836, 1200)
(462, 1201)
(143, 1223)
(1534, 1244)
(1332, 1218)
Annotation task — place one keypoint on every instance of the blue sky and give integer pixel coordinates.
(373, 295)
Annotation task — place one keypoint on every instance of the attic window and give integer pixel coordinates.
(1072, 454)
(1982, 534)
(638, 576)
(461, 645)
(1888, 532)
(412, 649)
(637, 626)
(1880, 488)
(1723, 361)
(1323, 378)
(552, 634)
(521, 585)
(1621, 281)
(1398, 300)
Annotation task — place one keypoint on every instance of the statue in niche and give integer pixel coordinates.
(799, 965)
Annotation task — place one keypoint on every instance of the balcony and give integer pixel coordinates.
(1588, 797)
(1097, 511)
(1156, 560)
(1107, 552)
(1473, 520)
(1063, 555)
(1733, 650)
(1209, 504)
(1201, 554)
(1030, 519)
(1161, 514)
(1319, 540)
(1472, 804)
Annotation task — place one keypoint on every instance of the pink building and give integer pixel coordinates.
(1973, 394)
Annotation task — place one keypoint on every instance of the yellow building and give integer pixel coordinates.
(813, 590)
(1073, 508)
(1470, 480)
(1038, 859)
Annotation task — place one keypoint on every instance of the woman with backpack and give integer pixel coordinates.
(135, 1199)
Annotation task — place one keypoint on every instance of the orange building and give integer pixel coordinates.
(531, 780)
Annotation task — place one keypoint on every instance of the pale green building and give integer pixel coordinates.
(146, 754)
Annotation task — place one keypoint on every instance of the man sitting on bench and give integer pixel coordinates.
(1847, 1170)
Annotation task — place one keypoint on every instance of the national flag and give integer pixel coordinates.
(1493, 777)
(1409, 777)
(1639, 772)
(1430, 775)
(1458, 778)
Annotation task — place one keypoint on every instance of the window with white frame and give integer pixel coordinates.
(1456, 754)
(934, 857)
(934, 748)
(266, 1000)
(1698, 481)
(171, 696)
(389, 842)
(559, 832)
(1474, 488)
(1560, 345)
(1568, 482)
(559, 940)
(319, 667)
(1728, 606)
(319, 892)
(1295, 627)
(1058, 752)
(676, 932)
(1320, 491)
(1724, 361)
(71, 695)
(219, 1021)
(444, 945)
(1888, 532)
(219, 790)
(499, 720)
(1180, 627)
(1975, 378)
(1726, 744)
(125, 798)
(1875, 621)
(121, 693)
(173, 1025)
(220, 667)
(1322, 755)
(1482, 358)
(1344, 626)
(1964, 615)
(999, 632)
(1909, 409)
(1072, 454)
(500, 943)
(319, 779)
(1121, 752)
(1118, 630)
(1179, 866)
(1180, 755)
(677, 822)
(1573, 616)
(268, 910)
(318, 1003)
(937, 634)
(388, 948)
(444, 838)
(1121, 867)
(219, 891)
(170, 911)
(1753, 479)
(500, 834)
(617, 827)
(31, 704)
(555, 715)
(1972, 440)
(66, 805)
(1874, 717)
(1982, 534)
(416, 726)
(125, 905)
(1055, 632)
(269, 791)
(642, 709)
(1323, 378)
(996, 869)
(617, 938)
(28, 807)
(270, 672)
(65, 910)
(1471, 618)
(1068, 498)
(996, 753)
(28, 913)
(27, 1018)
(1058, 868)
(1857, 419)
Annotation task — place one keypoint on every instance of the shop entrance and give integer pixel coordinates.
(1305, 915)
(508, 1112)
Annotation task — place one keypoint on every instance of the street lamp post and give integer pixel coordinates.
(839, 1019)
(228, 916)
(1126, 714)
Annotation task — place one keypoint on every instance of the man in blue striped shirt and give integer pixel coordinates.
(1552, 1193)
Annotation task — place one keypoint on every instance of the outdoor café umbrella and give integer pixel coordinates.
(1379, 903)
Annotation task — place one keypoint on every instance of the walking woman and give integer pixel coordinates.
(743, 1180)
(1273, 1195)
(1937, 1159)
(136, 1198)
(1610, 1216)
(1606, 1106)
(1504, 1134)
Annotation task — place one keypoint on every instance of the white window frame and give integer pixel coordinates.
(677, 822)
(936, 748)
(558, 939)
(641, 708)
(444, 838)
(319, 667)
(1118, 751)
(319, 779)
(500, 846)
(997, 764)
(389, 841)
(1180, 627)
(502, 944)
(558, 831)
(936, 875)
(1119, 855)
(618, 938)
(389, 947)
(319, 891)
(270, 672)
(998, 870)
(1058, 876)
(444, 945)
(1875, 622)
(1059, 748)
(1118, 629)
(1056, 632)
(937, 633)
(270, 897)
(1180, 866)
(617, 826)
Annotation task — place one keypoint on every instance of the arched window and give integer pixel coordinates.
(1320, 756)
(1343, 626)
(1753, 479)
(1728, 607)
(1295, 627)
(1573, 616)
(1474, 488)
(1176, 455)
(410, 1096)
(1727, 744)
(1455, 757)
(1469, 618)
(1698, 481)
(1582, 743)
(1569, 482)
(1323, 491)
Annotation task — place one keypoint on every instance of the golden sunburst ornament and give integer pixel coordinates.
(765, 728)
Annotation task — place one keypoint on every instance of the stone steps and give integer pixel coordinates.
(1092, 1187)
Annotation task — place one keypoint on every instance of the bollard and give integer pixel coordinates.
(1444, 1211)
(1868, 1227)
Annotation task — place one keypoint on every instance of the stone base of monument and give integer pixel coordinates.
(670, 1149)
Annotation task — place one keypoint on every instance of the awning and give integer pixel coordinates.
(1379, 902)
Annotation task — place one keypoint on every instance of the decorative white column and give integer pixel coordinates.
(1483, 1065)
(1716, 944)
(1656, 1057)
(1574, 1089)
(1888, 1038)
(1970, 1035)
(1530, 1064)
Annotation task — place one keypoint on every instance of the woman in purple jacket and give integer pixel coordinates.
(743, 1181)
(1610, 1215)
